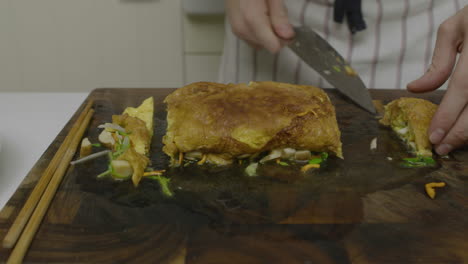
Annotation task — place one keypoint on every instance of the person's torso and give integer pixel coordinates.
(395, 49)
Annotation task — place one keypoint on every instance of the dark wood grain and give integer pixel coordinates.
(363, 209)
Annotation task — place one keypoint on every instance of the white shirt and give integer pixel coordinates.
(396, 47)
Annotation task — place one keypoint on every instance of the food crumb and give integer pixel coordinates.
(430, 188)
(373, 144)
(380, 107)
(350, 71)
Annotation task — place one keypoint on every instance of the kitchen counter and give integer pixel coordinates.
(29, 123)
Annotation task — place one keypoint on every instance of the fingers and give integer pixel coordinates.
(443, 60)
(446, 115)
(250, 21)
(457, 137)
(279, 19)
(449, 126)
(257, 19)
(238, 25)
(447, 121)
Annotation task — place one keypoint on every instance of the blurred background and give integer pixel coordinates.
(79, 45)
(54, 52)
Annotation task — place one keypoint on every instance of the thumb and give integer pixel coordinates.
(443, 60)
(279, 19)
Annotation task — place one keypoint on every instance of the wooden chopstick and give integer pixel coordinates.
(23, 216)
(26, 237)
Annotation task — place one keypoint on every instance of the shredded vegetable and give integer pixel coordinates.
(324, 156)
(181, 158)
(203, 160)
(274, 154)
(104, 174)
(315, 161)
(121, 146)
(116, 175)
(120, 149)
(112, 127)
(337, 68)
(154, 173)
(319, 159)
(124, 134)
(251, 170)
(418, 162)
(430, 188)
(164, 183)
(310, 166)
(91, 157)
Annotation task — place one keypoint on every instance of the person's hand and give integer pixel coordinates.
(261, 23)
(449, 127)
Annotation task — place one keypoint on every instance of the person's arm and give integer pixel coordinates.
(449, 127)
(261, 23)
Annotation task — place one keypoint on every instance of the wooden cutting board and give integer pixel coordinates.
(363, 209)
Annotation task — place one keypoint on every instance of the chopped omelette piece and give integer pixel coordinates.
(136, 130)
(137, 161)
(131, 135)
(138, 124)
(410, 118)
(144, 112)
(227, 122)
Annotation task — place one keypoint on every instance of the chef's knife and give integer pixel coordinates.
(322, 57)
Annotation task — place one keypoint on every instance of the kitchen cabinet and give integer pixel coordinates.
(76, 46)
(69, 45)
(203, 45)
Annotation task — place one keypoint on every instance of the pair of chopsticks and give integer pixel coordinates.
(26, 224)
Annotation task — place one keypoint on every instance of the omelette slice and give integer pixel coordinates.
(137, 162)
(131, 135)
(136, 130)
(410, 118)
(219, 124)
(144, 112)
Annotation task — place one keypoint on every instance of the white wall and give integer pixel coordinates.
(78, 45)
(203, 39)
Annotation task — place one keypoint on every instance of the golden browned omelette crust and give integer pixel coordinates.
(413, 117)
(237, 119)
(139, 136)
(140, 139)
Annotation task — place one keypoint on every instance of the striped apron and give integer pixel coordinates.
(395, 49)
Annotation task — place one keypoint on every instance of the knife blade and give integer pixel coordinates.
(323, 58)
